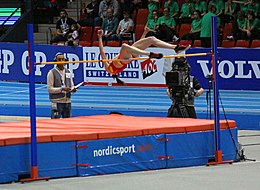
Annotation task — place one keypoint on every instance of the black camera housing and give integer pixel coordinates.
(178, 80)
(180, 74)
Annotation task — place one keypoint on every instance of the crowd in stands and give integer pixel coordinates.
(47, 9)
(168, 20)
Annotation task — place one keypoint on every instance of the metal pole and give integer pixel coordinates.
(31, 59)
(214, 43)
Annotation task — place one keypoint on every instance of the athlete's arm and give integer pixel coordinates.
(101, 49)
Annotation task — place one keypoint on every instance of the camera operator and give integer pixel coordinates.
(182, 88)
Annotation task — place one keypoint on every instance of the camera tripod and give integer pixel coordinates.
(180, 110)
(242, 156)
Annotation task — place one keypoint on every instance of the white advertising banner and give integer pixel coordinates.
(148, 71)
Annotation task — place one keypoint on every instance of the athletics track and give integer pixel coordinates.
(241, 106)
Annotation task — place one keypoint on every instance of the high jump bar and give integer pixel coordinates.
(131, 59)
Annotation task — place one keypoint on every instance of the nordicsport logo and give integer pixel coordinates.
(110, 150)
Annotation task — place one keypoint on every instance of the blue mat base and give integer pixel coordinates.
(86, 158)
(54, 160)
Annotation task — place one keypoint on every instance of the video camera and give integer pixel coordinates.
(179, 75)
(178, 80)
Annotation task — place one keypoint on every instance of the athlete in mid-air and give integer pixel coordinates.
(127, 52)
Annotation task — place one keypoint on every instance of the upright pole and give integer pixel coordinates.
(31, 61)
(214, 42)
(214, 45)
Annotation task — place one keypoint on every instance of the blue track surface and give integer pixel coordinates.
(242, 106)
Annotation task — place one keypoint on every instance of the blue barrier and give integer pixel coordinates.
(121, 155)
(54, 159)
(86, 158)
(192, 149)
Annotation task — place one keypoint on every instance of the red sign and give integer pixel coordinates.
(148, 68)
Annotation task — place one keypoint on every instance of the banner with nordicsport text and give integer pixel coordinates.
(239, 68)
(115, 155)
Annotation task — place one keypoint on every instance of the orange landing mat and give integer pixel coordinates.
(102, 127)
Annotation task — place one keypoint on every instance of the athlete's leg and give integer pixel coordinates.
(146, 30)
(151, 40)
(127, 51)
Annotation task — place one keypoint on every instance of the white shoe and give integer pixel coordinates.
(175, 38)
(230, 37)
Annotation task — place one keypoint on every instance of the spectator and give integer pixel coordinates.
(60, 86)
(73, 38)
(151, 24)
(243, 5)
(90, 12)
(201, 6)
(239, 27)
(109, 26)
(252, 26)
(246, 27)
(194, 33)
(249, 5)
(103, 6)
(61, 4)
(142, 4)
(255, 7)
(186, 12)
(230, 9)
(50, 9)
(220, 8)
(127, 5)
(152, 5)
(63, 27)
(205, 34)
(125, 28)
(173, 8)
(166, 27)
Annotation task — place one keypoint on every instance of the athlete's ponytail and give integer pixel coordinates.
(119, 81)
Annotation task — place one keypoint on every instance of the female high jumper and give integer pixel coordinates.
(138, 48)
